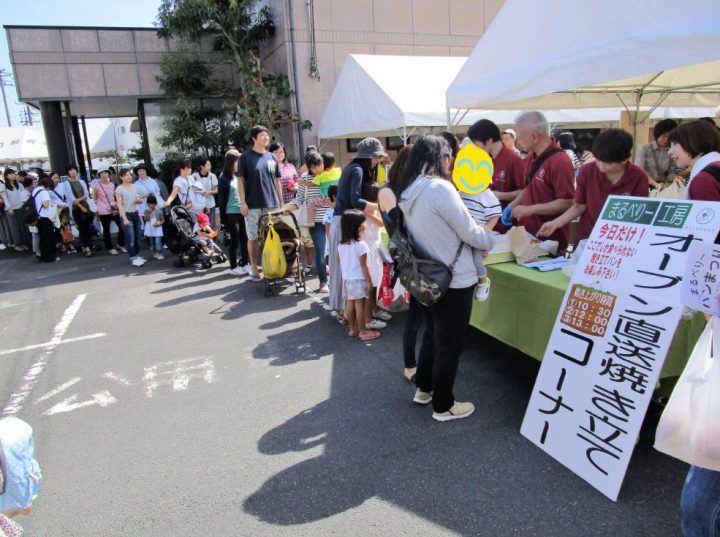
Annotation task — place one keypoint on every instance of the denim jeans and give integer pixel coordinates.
(156, 244)
(317, 233)
(446, 324)
(700, 503)
(132, 234)
(413, 322)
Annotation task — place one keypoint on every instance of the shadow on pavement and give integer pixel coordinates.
(477, 476)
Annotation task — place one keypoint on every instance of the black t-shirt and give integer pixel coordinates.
(259, 172)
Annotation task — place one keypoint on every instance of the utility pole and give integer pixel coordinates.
(6, 80)
(28, 117)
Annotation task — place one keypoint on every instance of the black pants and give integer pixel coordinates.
(446, 324)
(48, 246)
(235, 225)
(413, 322)
(105, 220)
(83, 221)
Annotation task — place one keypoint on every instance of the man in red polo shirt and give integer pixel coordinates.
(549, 190)
(611, 173)
(507, 179)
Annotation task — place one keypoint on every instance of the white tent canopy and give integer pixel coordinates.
(393, 95)
(22, 144)
(590, 54)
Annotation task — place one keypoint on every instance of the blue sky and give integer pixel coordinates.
(67, 13)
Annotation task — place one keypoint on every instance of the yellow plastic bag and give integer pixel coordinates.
(273, 257)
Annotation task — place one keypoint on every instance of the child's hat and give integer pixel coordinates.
(203, 220)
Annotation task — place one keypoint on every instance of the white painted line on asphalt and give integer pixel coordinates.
(117, 378)
(103, 399)
(53, 393)
(30, 379)
(53, 343)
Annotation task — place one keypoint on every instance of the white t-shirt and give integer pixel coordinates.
(482, 206)
(209, 182)
(41, 196)
(190, 190)
(350, 260)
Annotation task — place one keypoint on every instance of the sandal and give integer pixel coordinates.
(369, 335)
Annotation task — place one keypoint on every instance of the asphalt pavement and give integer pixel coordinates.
(172, 401)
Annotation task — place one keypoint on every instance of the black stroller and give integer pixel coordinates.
(186, 245)
(287, 228)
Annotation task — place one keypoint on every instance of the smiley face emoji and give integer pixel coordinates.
(473, 170)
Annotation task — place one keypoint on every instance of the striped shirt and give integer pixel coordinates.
(483, 206)
(309, 196)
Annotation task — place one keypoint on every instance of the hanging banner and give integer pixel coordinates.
(612, 334)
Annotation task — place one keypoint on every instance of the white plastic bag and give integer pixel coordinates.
(689, 429)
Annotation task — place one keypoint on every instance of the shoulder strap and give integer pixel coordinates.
(713, 170)
(540, 161)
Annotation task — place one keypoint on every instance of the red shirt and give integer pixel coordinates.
(507, 177)
(593, 188)
(552, 181)
(704, 186)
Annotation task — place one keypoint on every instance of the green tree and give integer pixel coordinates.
(208, 114)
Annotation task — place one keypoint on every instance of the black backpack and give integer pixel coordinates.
(30, 211)
(426, 279)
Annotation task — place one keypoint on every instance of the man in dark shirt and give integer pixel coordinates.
(259, 182)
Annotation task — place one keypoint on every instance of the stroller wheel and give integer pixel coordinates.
(206, 264)
(222, 259)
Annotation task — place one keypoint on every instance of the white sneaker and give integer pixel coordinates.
(141, 259)
(2, 246)
(158, 256)
(482, 292)
(456, 412)
(246, 269)
(237, 271)
(375, 324)
(137, 262)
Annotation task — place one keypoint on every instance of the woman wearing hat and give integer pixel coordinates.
(362, 169)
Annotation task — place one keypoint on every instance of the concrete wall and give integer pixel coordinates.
(342, 27)
(102, 71)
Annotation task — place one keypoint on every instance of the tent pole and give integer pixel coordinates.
(404, 135)
(449, 123)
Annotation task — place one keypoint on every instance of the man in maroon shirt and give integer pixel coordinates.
(507, 179)
(549, 173)
(611, 173)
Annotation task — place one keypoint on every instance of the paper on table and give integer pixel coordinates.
(549, 264)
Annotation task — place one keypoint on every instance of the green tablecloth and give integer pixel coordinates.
(524, 304)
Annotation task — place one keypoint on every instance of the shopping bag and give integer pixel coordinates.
(674, 191)
(273, 257)
(689, 428)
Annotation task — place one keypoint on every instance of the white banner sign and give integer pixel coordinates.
(701, 283)
(612, 334)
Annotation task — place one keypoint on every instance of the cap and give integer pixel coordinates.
(369, 148)
(511, 132)
(203, 220)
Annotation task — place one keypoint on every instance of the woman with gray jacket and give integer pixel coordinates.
(437, 222)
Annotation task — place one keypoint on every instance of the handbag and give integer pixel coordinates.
(426, 279)
(689, 428)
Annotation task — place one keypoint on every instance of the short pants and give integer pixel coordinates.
(252, 220)
(355, 289)
(305, 237)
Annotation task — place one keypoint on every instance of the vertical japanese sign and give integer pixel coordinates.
(612, 334)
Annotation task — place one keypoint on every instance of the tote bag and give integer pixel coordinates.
(689, 429)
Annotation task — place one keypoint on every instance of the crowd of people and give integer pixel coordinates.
(540, 181)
